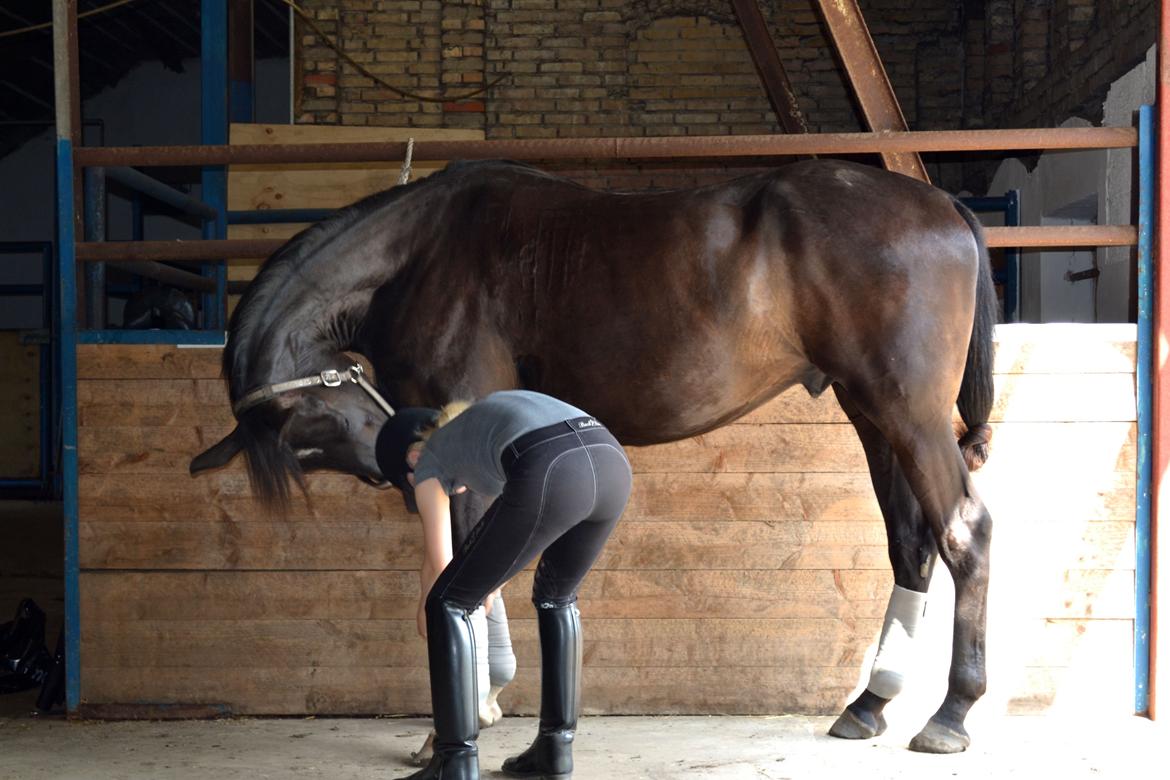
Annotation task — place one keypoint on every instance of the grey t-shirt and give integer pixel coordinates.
(466, 451)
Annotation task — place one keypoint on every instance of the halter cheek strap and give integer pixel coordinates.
(330, 377)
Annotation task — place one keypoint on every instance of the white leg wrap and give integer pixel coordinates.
(501, 659)
(479, 628)
(896, 648)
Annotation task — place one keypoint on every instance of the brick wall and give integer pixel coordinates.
(591, 68)
(594, 67)
(1047, 60)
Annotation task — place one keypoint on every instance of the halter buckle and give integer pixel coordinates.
(331, 377)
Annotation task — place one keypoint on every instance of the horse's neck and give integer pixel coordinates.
(314, 304)
(306, 319)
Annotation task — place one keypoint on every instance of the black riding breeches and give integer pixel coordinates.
(567, 485)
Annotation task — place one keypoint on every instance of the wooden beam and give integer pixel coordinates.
(654, 147)
(772, 74)
(871, 85)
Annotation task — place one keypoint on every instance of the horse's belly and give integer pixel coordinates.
(702, 396)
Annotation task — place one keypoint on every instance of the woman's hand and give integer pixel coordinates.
(420, 619)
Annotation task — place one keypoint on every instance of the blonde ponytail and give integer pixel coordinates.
(448, 413)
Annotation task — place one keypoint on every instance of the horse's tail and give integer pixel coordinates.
(977, 391)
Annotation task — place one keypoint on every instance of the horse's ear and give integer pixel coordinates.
(218, 454)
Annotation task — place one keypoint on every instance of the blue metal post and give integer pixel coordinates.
(1145, 364)
(1009, 275)
(94, 188)
(214, 127)
(68, 121)
(278, 216)
(67, 333)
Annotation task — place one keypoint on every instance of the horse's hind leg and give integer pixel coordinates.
(925, 446)
(912, 554)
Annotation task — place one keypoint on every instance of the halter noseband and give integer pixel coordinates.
(330, 377)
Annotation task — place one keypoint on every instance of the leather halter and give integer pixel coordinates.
(330, 377)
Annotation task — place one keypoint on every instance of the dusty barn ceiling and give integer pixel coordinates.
(111, 44)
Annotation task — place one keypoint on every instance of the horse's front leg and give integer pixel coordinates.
(912, 555)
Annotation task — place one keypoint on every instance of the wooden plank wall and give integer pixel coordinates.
(749, 574)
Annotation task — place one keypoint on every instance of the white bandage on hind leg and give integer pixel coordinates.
(479, 629)
(896, 649)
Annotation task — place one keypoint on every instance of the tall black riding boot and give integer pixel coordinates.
(551, 756)
(451, 651)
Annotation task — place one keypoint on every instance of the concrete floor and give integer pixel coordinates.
(608, 748)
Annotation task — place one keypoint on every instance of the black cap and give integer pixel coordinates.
(395, 438)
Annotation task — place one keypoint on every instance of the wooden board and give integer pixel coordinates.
(1019, 398)
(1069, 349)
(726, 497)
(636, 544)
(390, 690)
(748, 575)
(317, 185)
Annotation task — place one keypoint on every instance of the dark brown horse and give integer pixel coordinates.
(665, 314)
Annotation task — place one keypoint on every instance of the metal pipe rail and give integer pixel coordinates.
(163, 193)
(176, 277)
(249, 249)
(623, 148)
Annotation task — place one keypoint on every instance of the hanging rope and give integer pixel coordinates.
(404, 175)
(312, 25)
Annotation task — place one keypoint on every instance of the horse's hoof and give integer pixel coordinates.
(489, 714)
(424, 754)
(935, 738)
(850, 726)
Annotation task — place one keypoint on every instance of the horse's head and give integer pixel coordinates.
(328, 420)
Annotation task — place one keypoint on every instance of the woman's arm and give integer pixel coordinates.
(434, 508)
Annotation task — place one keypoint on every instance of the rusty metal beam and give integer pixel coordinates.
(239, 249)
(246, 250)
(867, 76)
(176, 277)
(768, 65)
(622, 148)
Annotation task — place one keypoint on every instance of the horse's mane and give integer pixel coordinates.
(270, 461)
(248, 318)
